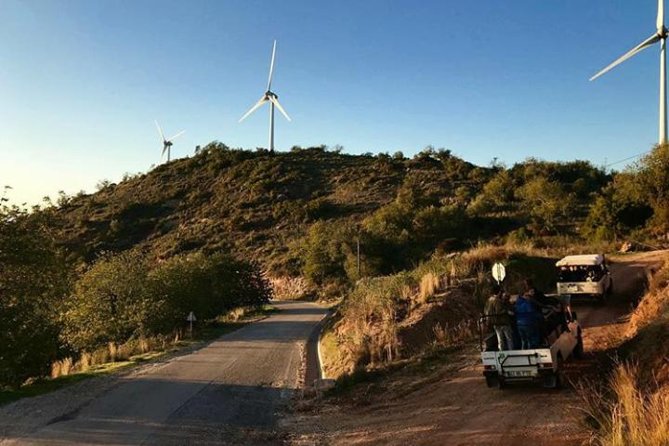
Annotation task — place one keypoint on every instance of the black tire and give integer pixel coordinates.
(554, 380)
(492, 381)
(501, 384)
(559, 377)
(578, 350)
(550, 381)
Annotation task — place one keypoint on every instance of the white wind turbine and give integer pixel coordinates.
(660, 35)
(167, 142)
(273, 100)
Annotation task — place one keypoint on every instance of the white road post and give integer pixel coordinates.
(191, 318)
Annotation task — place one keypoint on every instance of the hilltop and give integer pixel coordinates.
(259, 205)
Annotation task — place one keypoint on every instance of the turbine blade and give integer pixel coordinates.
(177, 135)
(160, 131)
(254, 108)
(271, 67)
(643, 45)
(660, 15)
(162, 154)
(275, 101)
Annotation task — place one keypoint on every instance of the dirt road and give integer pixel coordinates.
(458, 409)
(225, 393)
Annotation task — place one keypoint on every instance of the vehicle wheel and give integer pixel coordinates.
(555, 380)
(578, 350)
(559, 376)
(492, 381)
(501, 383)
(551, 381)
(559, 380)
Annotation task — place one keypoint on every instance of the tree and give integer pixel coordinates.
(618, 209)
(34, 279)
(496, 196)
(653, 177)
(324, 252)
(547, 203)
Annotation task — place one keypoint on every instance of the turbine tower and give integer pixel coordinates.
(167, 142)
(273, 100)
(660, 35)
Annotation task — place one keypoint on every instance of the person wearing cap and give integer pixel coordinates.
(498, 313)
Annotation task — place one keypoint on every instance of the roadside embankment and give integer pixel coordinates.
(632, 406)
(437, 304)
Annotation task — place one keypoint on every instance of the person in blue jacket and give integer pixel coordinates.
(528, 320)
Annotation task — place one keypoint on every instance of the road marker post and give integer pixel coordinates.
(191, 318)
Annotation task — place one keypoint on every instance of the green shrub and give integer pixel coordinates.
(111, 302)
(121, 297)
(33, 280)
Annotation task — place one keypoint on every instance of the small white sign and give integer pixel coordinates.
(498, 272)
(191, 317)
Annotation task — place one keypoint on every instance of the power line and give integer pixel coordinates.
(628, 158)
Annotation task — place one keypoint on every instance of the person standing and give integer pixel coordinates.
(498, 313)
(528, 320)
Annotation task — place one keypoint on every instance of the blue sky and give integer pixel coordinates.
(82, 81)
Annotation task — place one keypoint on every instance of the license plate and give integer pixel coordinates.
(518, 373)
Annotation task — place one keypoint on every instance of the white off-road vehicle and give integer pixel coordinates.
(584, 275)
(542, 365)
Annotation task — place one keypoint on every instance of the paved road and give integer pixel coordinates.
(227, 392)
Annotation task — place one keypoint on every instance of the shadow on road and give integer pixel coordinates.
(213, 414)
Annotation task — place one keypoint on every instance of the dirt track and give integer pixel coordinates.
(458, 408)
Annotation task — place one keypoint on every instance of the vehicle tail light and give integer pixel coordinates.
(546, 365)
(489, 367)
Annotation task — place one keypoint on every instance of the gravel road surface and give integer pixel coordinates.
(228, 392)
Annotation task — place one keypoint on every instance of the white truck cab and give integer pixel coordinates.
(584, 275)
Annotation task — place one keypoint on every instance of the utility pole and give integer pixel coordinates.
(358, 247)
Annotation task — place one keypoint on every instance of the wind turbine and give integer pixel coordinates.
(167, 142)
(273, 100)
(660, 35)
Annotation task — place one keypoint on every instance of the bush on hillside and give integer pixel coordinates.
(620, 208)
(546, 202)
(653, 179)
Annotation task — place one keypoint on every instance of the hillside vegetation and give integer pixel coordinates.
(302, 212)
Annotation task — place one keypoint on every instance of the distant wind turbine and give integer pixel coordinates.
(660, 35)
(167, 142)
(273, 100)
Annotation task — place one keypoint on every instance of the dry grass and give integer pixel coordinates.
(655, 303)
(111, 353)
(629, 416)
(447, 335)
(289, 288)
(61, 368)
(429, 284)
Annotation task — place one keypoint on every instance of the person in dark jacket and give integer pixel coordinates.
(528, 321)
(549, 306)
(498, 313)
